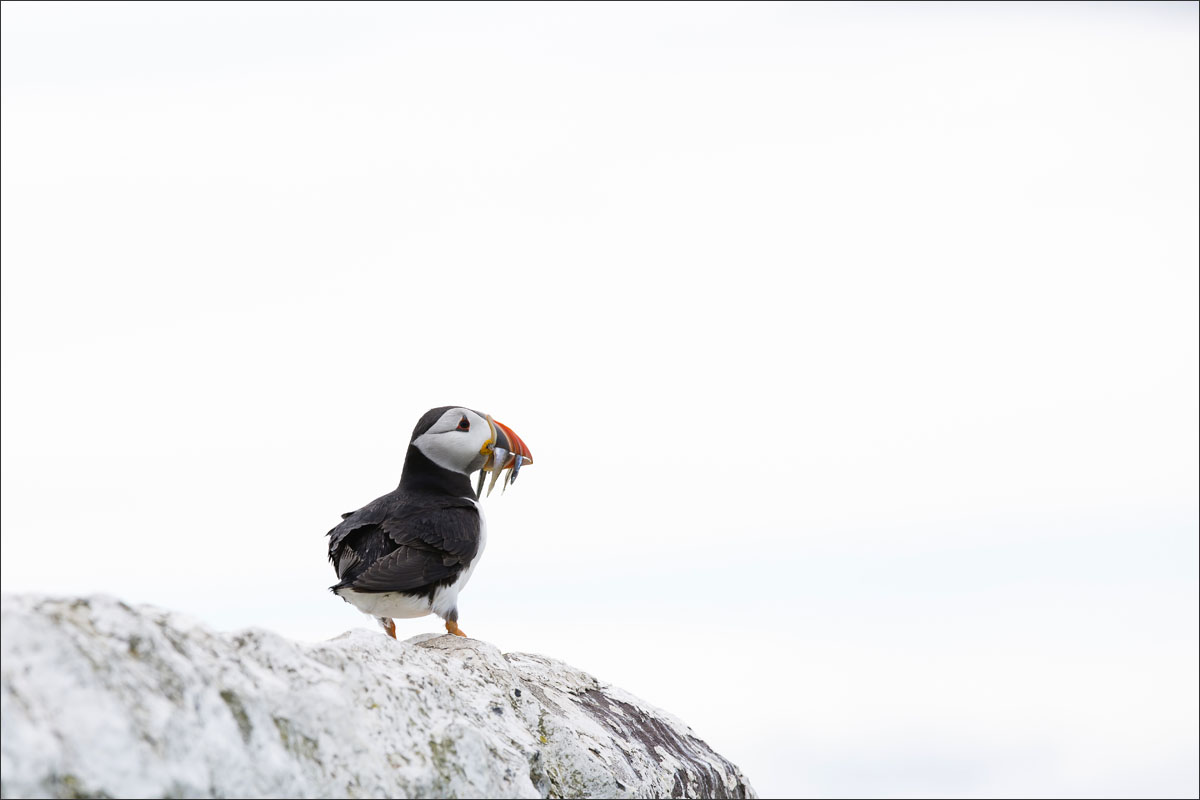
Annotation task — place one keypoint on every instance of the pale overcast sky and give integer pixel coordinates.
(856, 346)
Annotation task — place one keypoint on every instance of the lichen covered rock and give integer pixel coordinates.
(100, 698)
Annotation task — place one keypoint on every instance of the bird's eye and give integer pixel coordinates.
(464, 424)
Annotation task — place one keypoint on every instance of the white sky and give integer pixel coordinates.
(856, 345)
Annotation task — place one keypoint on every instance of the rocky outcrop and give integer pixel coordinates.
(102, 699)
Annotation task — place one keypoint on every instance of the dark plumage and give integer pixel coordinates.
(409, 541)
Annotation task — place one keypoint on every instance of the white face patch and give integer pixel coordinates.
(452, 447)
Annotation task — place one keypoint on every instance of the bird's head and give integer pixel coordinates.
(462, 440)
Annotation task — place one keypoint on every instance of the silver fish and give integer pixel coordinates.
(499, 462)
(479, 485)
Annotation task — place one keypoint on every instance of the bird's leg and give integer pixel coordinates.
(389, 626)
(452, 627)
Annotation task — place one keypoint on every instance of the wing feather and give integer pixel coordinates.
(397, 547)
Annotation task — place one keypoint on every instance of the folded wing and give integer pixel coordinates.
(393, 547)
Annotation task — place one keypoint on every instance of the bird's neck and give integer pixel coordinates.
(422, 475)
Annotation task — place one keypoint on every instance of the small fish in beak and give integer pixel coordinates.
(499, 456)
(508, 452)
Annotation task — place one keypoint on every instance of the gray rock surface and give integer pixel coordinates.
(100, 698)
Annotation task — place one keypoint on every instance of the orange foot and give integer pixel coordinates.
(389, 626)
(452, 627)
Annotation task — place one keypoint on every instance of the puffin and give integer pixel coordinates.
(410, 552)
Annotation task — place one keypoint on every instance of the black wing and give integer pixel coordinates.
(397, 547)
(371, 514)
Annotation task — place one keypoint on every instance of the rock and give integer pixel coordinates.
(102, 699)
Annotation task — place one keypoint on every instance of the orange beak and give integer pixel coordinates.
(507, 438)
(508, 452)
